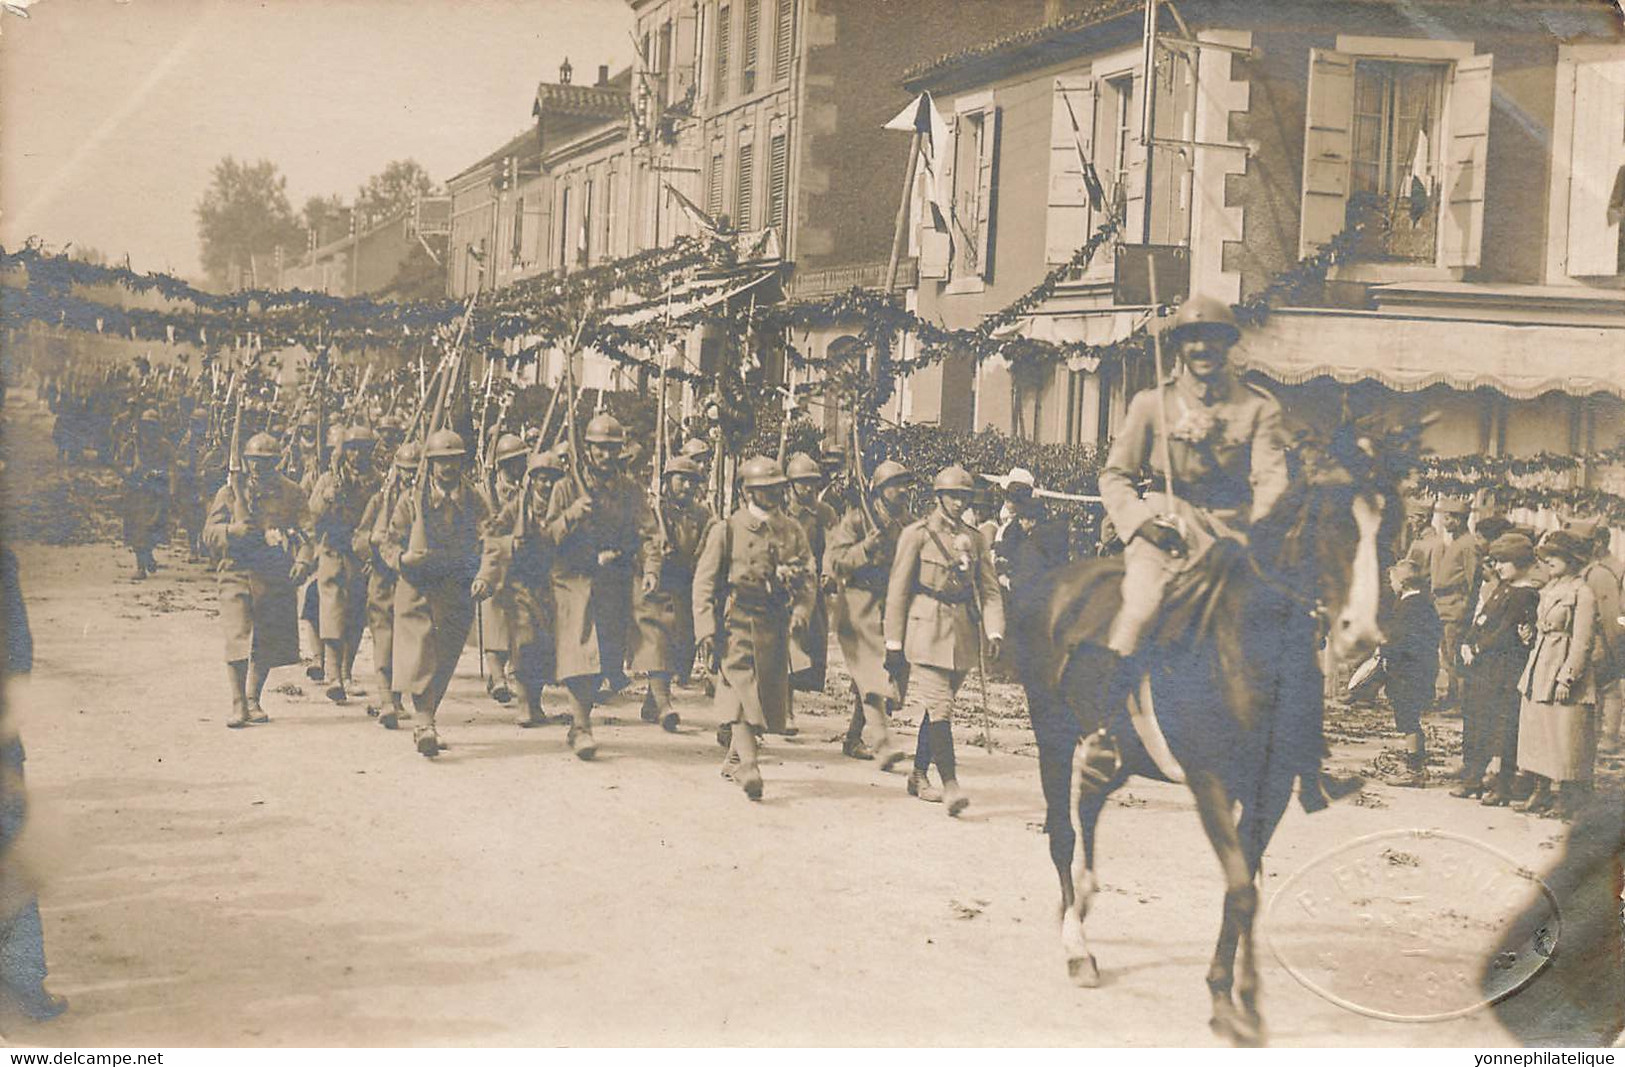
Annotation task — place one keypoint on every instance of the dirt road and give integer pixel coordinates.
(314, 881)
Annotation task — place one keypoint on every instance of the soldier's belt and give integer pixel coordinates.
(750, 596)
(962, 595)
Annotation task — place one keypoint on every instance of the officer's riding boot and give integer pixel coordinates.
(660, 693)
(942, 752)
(852, 745)
(1101, 758)
(748, 775)
(581, 693)
(237, 678)
(252, 688)
(333, 670)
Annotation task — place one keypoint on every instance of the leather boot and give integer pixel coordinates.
(919, 785)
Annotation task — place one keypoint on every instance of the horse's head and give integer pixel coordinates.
(1332, 533)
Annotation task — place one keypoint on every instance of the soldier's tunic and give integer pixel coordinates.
(188, 501)
(737, 575)
(593, 600)
(337, 506)
(380, 581)
(1227, 450)
(498, 627)
(809, 653)
(662, 639)
(433, 607)
(258, 608)
(518, 568)
(861, 566)
(933, 606)
(149, 485)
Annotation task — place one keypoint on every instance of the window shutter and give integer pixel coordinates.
(778, 181)
(783, 39)
(743, 187)
(1328, 148)
(719, 86)
(1461, 215)
(713, 187)
(937, 246)
(1066, 226)
(1598, 154)
(986, 164)
(753, 36)
(1134, 171)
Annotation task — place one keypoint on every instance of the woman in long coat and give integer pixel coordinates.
(1494, 651)
(1557, 726)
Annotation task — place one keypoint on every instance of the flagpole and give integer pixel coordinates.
(900, 235)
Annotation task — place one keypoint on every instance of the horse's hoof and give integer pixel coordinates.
(1084, 972)
(1230, 1025)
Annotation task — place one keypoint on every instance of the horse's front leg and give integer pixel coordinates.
(1214, 806)
(1086, 803)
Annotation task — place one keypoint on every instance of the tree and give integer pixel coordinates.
(392, 190)
(243, 218)
(326, 217)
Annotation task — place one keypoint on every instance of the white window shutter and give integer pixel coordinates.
(1461, 211)
(1598, 154)
(986, 186)
(1134, 168)
(937, 246)
(1328, 148)
(1066, 225)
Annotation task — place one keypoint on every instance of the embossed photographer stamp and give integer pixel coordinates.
(1412, 925)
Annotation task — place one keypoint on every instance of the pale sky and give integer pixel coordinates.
(114, 112)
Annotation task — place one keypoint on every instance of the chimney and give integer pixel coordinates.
(603, 75)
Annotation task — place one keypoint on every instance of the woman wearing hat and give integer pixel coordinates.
(1557, 725)
(1493, 653)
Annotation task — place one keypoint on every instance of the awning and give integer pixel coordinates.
(689, 298)
(1408, 352)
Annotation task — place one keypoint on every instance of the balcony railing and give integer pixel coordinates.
(806, 284)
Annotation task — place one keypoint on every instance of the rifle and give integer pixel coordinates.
(234, 455)
(482, 454)
(864, 503)
(419, 541)
(570, 410)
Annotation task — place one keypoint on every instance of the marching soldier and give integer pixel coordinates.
(515, 574)
(941, 598)
(149, 484)
(809, 658)
(434, 548)
(338, 504)
(509, 456)
(859, 558)
(597, 538)
(190, 506)
(662, 639)
(755, 573)
(258, 531)
(371, 535)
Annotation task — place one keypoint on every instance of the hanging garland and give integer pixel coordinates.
(1541, 481)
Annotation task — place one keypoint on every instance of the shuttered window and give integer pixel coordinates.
(783, 38)
(778, 178)
(744, 180)
(719, 84)
(713, 187)
(518, 245)
(610, 212)
(753, 35)
(1596, 178)
(565, 244)
(1071, 144)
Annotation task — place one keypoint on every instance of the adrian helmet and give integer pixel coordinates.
(759, 472)
(262, 446)
(804, 468)
(445, 444)
(1205, 314)
(953, 479)
(890, 471)
(407, 455)
(605, 429)
(508, 446)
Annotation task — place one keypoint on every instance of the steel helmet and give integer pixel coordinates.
(1199, 312)
(149, 415)
(262, 446)
(890, 471)
(445, 444)
(694, 448)
(360, 437)
(544, 461)
(605, 429)
(390, 422)
(759, 472)
(953, 479)
(407, 455)
(308, 419)
(803, 467)
(508, 446)
(684, 466)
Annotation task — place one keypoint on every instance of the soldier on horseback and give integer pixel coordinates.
(1226, 455)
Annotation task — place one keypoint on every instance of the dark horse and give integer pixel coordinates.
(1236, 686)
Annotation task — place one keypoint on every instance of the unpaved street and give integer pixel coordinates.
(314, 881)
